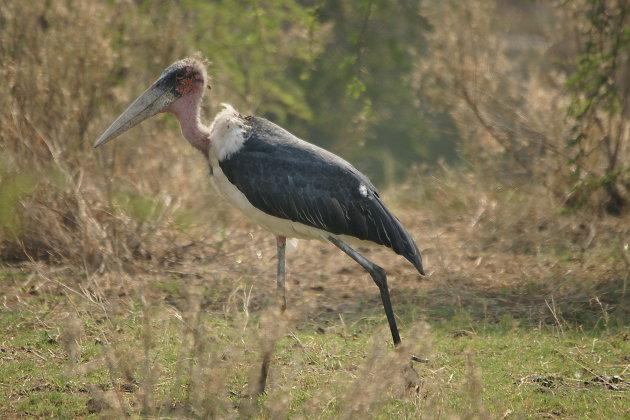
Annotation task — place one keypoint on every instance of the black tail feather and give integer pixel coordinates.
(391, 233)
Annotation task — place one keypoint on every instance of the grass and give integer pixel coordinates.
(156, 352)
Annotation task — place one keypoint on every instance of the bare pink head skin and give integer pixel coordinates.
(178, 91)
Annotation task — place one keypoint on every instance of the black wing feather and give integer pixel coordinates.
(288, 178)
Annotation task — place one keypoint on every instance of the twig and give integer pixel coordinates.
(552, 309)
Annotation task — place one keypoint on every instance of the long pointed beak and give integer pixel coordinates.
(155, 99)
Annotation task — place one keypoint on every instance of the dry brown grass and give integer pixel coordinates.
(133, 206)
(61, 64)
(503, 80)
(491, 245)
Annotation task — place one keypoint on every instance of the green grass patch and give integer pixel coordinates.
(174, 349)
(164, 361)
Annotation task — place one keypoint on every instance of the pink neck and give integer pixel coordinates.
(186, 109)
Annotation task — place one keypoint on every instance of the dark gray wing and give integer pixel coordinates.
(288, 178)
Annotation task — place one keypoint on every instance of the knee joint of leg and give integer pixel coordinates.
(379, 276)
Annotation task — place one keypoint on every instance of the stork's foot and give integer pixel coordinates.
(413, 381)
(412, 378)
(240, 396)
(246, 404)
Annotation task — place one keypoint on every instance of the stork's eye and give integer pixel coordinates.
(179, 76)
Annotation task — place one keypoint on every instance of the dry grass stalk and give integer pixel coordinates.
(506, 91)
(59, 68)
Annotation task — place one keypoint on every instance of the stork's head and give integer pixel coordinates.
(178, 89)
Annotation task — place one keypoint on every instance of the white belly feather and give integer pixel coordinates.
(274, 224)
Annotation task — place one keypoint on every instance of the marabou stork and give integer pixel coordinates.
(288, 186)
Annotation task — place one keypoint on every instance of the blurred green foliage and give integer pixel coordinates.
(337, 73)
(143, 208)
(14, 187)
(252, 46)
(364, 89)
(599, 106)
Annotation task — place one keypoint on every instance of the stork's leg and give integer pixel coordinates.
(281, 242)
(380, 278)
